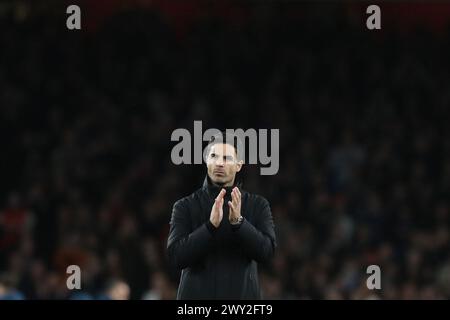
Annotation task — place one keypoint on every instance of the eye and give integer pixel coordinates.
(213, 155)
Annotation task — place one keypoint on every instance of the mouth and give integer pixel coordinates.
(219, 173)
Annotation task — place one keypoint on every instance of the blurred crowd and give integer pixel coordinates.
(87, 180)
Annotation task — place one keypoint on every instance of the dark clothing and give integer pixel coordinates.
(220, 263)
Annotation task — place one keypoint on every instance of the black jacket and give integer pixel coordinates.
(220, 263)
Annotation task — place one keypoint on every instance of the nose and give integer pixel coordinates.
(220, 162)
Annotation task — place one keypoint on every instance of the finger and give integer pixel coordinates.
(238, 192)
(221, 194)
(234, 197)
(230, 204)
(239, 196)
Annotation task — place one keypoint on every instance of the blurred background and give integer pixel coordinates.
(86, 118)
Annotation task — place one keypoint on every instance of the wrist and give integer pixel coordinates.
(213, 223)
(236, 220)
(211, 228)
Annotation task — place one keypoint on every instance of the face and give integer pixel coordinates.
(120, 292)
(223, 164)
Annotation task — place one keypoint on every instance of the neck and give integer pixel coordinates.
(222, 185)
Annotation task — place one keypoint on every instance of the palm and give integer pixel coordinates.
(235, 204)
(217, 209)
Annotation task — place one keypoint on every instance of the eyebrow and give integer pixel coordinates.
(224, 156)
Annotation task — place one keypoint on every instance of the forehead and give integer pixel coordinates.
(223, 149)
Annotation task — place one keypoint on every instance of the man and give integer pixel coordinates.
(7, 288)
(219, 233)
(116, 289)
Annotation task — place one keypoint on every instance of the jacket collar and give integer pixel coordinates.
(214, 190)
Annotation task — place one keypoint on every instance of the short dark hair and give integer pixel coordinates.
(226, 138)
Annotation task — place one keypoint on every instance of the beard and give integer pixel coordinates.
(219, 181)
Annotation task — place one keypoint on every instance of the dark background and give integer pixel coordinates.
(86, 118)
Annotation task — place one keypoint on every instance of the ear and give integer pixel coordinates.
(239, 165)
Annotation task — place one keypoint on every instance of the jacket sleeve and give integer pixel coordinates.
(259, 240)
(184, 247)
